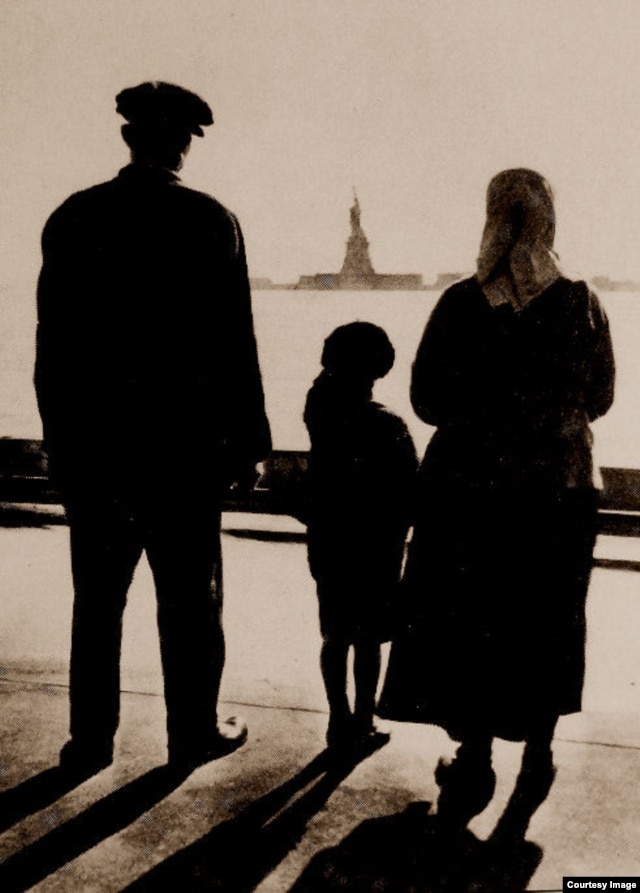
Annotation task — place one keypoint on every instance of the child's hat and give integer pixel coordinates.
(359, 348)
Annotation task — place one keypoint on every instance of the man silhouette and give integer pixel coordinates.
(152, 405)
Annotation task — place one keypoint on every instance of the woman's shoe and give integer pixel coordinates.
(467, 785)
(532, 788)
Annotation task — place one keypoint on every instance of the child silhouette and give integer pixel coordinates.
(362, 470)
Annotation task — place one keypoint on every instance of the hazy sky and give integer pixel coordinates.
(416, 103)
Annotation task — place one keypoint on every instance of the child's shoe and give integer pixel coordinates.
(367, 735)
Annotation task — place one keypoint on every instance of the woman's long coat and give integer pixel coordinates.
(499, 563)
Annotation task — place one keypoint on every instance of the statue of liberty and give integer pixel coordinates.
(357, 269)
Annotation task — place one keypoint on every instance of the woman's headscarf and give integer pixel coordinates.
(517, 261)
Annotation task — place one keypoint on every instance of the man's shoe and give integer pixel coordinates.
(232, 734)
(340, 732)
(84, 760)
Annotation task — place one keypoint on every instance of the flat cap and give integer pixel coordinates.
(158, 103)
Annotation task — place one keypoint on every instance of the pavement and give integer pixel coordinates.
(278, 815)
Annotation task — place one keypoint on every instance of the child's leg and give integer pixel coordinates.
(366, 672)
(333, 665)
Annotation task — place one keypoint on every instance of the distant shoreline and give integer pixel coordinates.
(358, 273)
(444, 280)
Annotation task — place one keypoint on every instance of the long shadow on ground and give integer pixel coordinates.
(114, 812)
(34, 794)
(409, 852)
(238, 854)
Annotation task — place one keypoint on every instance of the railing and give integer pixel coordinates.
(25, 486)
(24, 482)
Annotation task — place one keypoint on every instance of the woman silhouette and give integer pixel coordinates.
(513, 365)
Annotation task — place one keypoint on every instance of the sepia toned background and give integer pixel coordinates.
(415, 104)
